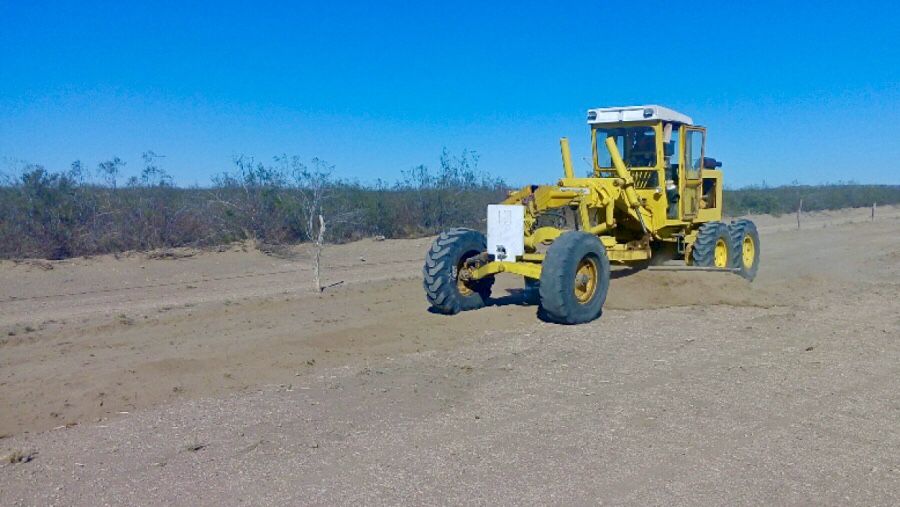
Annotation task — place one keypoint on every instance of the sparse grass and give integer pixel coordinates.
(465, 368)
(124, 319)
(19, 456)
(194, 445)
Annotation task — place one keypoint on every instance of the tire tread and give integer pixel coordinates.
(437, 273)
(703, 252)
(558, 302)
(739, 229)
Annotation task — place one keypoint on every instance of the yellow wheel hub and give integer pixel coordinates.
(748, 251)
(463, 288)
(720, 255)
(462, 285)
(586, 280)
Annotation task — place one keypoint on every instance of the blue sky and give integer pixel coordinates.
(789, 91)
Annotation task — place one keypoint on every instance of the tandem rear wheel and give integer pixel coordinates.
(745, 242)
(734, 246)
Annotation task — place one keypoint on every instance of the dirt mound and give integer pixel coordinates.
(646, 289)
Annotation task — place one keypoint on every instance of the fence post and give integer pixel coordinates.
(873, 210)
(799, 209)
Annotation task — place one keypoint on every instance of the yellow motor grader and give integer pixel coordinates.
(652, 193)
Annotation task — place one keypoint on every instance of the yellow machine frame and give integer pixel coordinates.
(626, 218)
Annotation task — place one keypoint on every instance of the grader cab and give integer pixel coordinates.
(651, 193)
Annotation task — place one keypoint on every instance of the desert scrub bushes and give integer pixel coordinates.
(454, 196)
(81, 212)
(786, 199)
(60, 215)
(55, 215)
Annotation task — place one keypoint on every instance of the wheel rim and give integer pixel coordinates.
(461, 284)
(749, 251)
(586, 279)
(721, 254)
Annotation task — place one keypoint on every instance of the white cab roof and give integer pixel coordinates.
(636, 113)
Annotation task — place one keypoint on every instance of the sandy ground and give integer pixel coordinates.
(221, 378)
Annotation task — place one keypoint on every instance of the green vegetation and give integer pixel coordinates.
(73, 213)
(780, 200)
(77, 212)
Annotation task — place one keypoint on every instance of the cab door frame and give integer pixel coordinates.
(690, 166)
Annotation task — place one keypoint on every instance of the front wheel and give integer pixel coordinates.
(574, 279)
(445, 290)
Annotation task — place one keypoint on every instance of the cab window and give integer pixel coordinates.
(693, 153)
(637, 145)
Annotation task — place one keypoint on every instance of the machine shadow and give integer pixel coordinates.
(626, 271)
(512, 297)
(517, 297)
(542, 315)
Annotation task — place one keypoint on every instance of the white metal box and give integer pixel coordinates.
(506, 231)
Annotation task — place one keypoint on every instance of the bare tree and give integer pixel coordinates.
(319, 246)
(314, 187)
(152, 175)
(109, 171)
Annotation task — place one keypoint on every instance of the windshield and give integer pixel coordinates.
(637, 145)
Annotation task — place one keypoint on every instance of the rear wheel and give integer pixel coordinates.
(446, 291)
(746, 247)
(574, 279)
(714, 247)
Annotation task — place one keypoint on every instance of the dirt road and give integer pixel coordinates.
(221, 379)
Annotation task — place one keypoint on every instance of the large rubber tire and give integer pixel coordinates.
(574, 279)
(446, 293)
(746, 247)
(714, 247)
